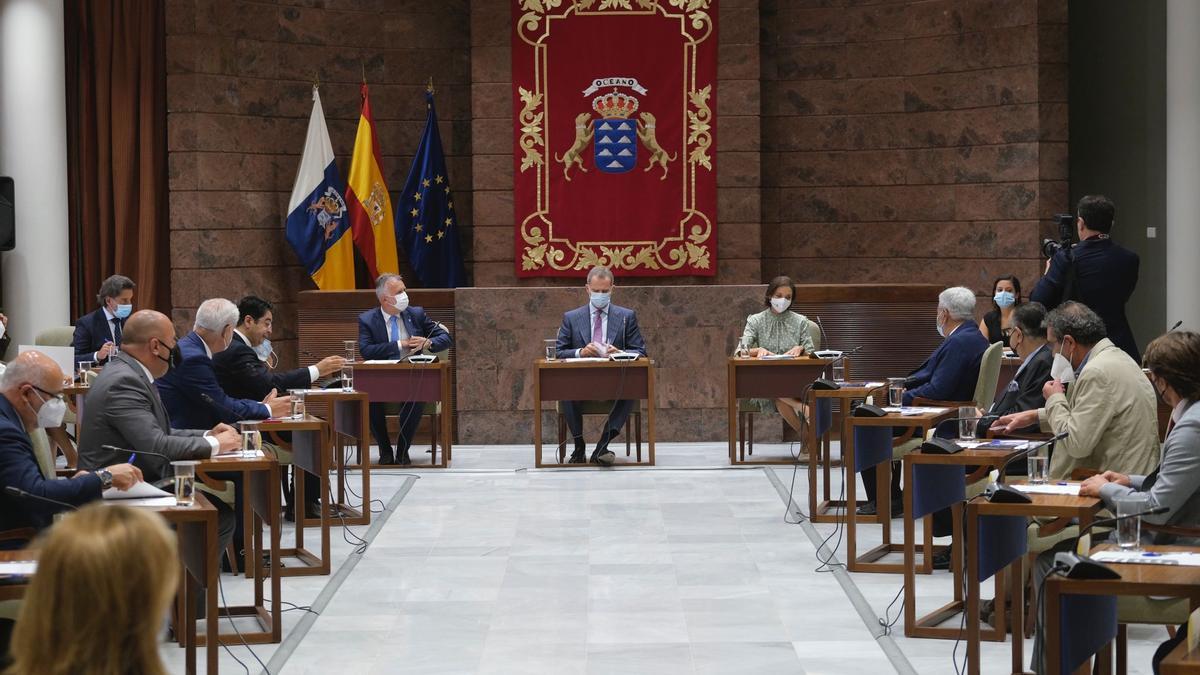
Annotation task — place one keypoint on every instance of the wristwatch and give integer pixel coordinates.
(105, 478)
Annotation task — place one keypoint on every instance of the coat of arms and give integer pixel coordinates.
(614, 136)
(330, 210)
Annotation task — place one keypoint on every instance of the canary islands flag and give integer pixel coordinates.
(317, 222)
(426, 219)
(370, 207)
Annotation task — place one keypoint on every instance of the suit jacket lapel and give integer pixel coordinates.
(615, 321)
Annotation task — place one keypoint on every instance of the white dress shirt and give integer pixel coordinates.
(387, 326)
(591, 324)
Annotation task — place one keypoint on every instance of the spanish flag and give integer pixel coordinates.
(367, 201)
(316, 224)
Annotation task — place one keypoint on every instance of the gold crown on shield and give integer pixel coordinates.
(615, 105)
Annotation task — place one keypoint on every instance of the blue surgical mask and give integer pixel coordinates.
(263, 350)
(123, 311)
(600, 300)
(1005, 299)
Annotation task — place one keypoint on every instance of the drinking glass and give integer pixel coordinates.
(741, 350)
(1038, 465)
(185, 482)
(839, 372)
(1129, 530)
(895, 391)
(551, 349)
(85, 367)
(297, 403)
(967, 419)
(349, 351)
(347, 377)
(251, 438)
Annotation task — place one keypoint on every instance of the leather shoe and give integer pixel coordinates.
(577, 457)
(403, 459)
(603, 457)
(289, 514)
(386, 458)
(941, 560)
(867, 509)
(312, 510)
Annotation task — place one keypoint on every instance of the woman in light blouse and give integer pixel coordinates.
(777, 330)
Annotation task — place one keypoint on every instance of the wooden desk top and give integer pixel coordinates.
(440, 364)
(308, 423)
(805, 361)
(899, 420)
(969, 456)
(644, 362)
(1042, 505)
(1160, 576)
(19, 555)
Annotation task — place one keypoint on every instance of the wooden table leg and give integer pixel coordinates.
(972, 616)
(537, 417)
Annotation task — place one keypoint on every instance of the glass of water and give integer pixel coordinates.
(895, 391)
(1038, 465)
(185, 482)
(297, 403)
(839, 371)
(347, 377)
(967, 419)
(251, 438)
(551, 347)
(741, 350)
(1129, 531)
(349, 351)
(85, 367)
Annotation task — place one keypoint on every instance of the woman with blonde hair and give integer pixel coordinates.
(105, 579)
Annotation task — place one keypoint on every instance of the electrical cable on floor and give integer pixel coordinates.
(241, 638)
(887, 621)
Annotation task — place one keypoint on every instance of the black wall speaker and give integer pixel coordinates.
(8, 216)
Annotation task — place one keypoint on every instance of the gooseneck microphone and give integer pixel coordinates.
(1000, 493)
(822, 383)
(1075, 566)
(18, 493)
(945, 446)
(1177, 325)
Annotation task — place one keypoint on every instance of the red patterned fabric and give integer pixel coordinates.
(615, 136)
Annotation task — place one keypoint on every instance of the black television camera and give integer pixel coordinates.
(1066, 235)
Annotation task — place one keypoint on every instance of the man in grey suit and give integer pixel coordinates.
(124, 411)
(596, 330)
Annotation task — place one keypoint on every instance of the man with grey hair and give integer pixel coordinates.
(190, 391)
(948, 374)
(392, 332)
(1110, 410)
(98, 333)
(598, 329)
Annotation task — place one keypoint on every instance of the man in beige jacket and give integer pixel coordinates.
(1110, 410)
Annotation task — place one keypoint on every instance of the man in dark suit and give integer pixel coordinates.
(31, 398)
(1027, 336)
(5, 338)
(395, 331)
(949, 374)
(98, 332)
(598, 329)
(1103, 275)
(190, 391)
(244, 371)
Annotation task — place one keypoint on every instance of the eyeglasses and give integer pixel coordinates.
(58, 396)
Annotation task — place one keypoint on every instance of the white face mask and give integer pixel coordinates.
(938, 321)
(2, 329)
(1061, 369)
(401, 302)
(780, 305)
(263, 350)
(50, 415)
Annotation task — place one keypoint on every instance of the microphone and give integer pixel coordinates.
(18, 493)
(944, 446)
(113, 448)
(1072, 565)
(822, 383)
(1177, 325)
(824, 339)
(1000, 493)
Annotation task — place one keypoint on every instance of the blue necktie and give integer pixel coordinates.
(395, 328)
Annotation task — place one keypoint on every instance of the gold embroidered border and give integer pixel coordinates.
(691, 246)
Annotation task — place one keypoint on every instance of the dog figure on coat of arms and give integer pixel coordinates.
(583, 136)
(657, 154)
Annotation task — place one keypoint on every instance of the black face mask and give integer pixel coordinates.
(173, 359)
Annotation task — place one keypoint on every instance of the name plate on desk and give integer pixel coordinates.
(1181, 558)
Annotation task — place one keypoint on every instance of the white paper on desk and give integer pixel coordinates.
(376, 362)
(144, 501)
(1048, 489)
(996, 443)
(18, 568)
(581, 359)
(1181, 558)
(776, 357)
(914, 410)
(138, 491)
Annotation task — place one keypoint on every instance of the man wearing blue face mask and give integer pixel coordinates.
(98, 333)
(598, 329)
(394, 331)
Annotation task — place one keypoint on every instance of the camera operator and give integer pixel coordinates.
(1097, 271)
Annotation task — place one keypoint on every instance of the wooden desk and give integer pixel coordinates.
(770, 379)
(1012, 519)
(260, 485)
(310, 454)
(16, 590)
(938, 472)
(868, 562)
(825, 511)
(562, 380)
(411, 383)
(1158, 580)
(1181, 661)
(347, 417)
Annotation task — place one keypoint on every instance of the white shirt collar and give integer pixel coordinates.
(244, 338)
(206, 349)
(388, 317)
(960, 325)
(592, 309)
(144, 369)
(108, 316)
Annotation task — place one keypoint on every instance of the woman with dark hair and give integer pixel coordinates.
(1006, 295)
(778, 331)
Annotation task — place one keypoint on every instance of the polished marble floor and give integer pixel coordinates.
(689, 567)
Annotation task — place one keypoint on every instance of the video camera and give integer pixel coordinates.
(1066, 235)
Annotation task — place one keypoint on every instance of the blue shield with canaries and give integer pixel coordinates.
(615, 143)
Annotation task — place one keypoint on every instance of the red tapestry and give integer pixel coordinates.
(615, 136)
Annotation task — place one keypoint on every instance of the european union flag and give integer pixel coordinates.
(426, 221)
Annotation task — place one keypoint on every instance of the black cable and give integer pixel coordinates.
(241, 638)
(886, 620)
(804, 422)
